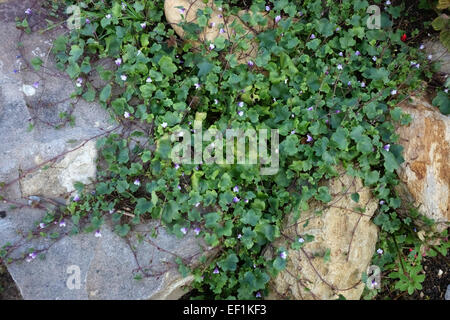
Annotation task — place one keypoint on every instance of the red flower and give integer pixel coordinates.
(404, 37)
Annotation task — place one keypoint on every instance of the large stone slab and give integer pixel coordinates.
(105, 263)
(339, 228)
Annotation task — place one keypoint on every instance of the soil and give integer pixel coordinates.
(8, 289)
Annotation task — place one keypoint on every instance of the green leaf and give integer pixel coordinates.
(37, 62)
(143, 206)
(105, 93)
(355, 197)
(229, 263)
(122, 230)
(167, 66)
(170, 212)
(251, 217)
(323, 194)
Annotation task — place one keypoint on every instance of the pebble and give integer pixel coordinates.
(447, 294)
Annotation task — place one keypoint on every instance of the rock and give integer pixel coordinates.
(447, 293)
(105, 264)
(439, 53)
(426, 170)
(174, 13)
(78, 165)
(349, 236)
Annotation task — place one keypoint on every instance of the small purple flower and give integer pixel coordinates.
(341, 54)
(240, 104)
(143, 25)
(183, 230)
(28, 11)
(31, 256)
(374, 58)
(197, 231)
(137, 182)
(98, 234)
(283, 255)
(236, 199)
(108, 16)
(349, 83)
(123, 77)
(313, 36)
(277, 19)
(87, 21)
(197, 85)
(267, 8)
(394, 92)
(301, 240)
(182, 10)
(211, 46)
(118, 61)
(179, 187)
(380, 251)
(42, 225)
(212, 24)
(339, 67)
(338, 111)
(309, 138)
(62, 223)
(76, 198)
(239, 236)
(357, 53)
(15, 71)
(241, 113)
(250, 63)
(382, 202)
(293, 132)
(422, 47)
(36, 84)
(387, 147)
(236, 189)
(258, 295)
(177, 166)
(221, 30)
(126, 114)
(310, 108)
(430, 57)
(363, 84)
(216, 271)
(148, 80)
(338, 29)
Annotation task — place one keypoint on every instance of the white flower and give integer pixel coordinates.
(118, 61)
(143, 25)
(339, 67)
(394, 92)
(98, 234)
(422, 47)
(301, 240)
(164, 124)
(211, 46)
(388, 2)
(126, 114)
(137, 182)
(380, 251)
(123, 77)
(148, 80)
(42, 225)
(241, 113)
(183, 230)
(283, 255)
(430, 57)
(108, 16)
(62, 224)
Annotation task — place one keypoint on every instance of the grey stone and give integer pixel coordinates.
(439, 53)
(447, 293)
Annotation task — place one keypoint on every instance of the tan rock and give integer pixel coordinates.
(175, 10)
(340, 227)
(58, 178)
(426, 170)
